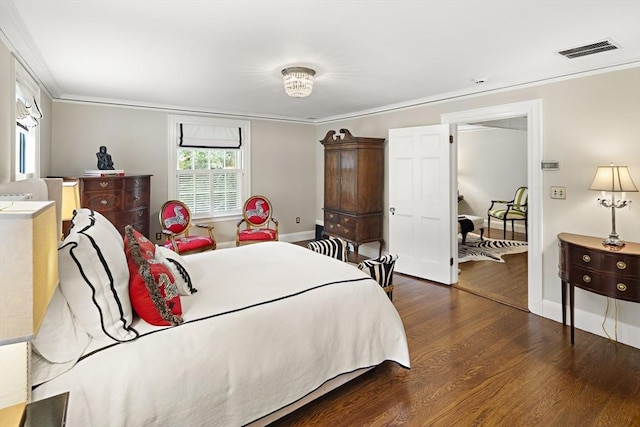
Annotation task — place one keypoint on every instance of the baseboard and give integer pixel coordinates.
(591, 322)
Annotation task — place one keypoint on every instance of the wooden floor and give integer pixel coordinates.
(479, 277)
(476, 362)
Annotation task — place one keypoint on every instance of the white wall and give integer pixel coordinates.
(587, 121)
(282, 158)
(7, 100)
(492, 164)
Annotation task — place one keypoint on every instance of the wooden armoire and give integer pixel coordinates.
(353, 188)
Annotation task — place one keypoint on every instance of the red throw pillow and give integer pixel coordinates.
(147, 248)
(152, 288)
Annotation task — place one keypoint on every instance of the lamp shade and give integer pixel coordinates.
(29, 272)
(70, 199)
(298, 81)
(28, 277)
(613, 178)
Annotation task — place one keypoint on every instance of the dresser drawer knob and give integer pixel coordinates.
(139, 213)
(104, 184)
(136, 199)
(621, 287)
(104, 202)
(586, 258)
(621, 265)
(586, 278)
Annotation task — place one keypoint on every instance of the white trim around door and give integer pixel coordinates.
(533, 111)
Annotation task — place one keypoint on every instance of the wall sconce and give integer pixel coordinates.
(614, 179)
(29, 272)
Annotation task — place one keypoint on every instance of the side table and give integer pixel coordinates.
(584, 262)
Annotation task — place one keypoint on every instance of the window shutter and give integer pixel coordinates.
(193, 190)
(227, 190)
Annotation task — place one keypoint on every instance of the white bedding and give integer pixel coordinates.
(270, 323)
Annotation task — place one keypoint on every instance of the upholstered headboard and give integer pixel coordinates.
(41, 189)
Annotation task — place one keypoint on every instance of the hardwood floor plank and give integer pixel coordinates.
(476, 362)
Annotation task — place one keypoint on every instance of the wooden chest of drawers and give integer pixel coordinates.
(585, 263)
(352, 227)
(124, 200)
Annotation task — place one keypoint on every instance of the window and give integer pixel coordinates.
(209, 165)
(27, 136)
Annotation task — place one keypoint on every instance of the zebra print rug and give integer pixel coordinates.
(487, 249)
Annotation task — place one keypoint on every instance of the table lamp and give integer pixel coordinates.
(70, 202)
(28, 277)
(614, 179)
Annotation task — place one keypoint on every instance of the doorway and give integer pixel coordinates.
(492, 163)
(532, 110)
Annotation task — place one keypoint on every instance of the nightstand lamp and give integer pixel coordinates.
(613, 179)
(70, 202)
(28, 277)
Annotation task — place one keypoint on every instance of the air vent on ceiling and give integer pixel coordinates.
(590, 49)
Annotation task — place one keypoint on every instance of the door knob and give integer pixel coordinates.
(392, 210)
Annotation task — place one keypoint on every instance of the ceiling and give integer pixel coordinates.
(226, 56)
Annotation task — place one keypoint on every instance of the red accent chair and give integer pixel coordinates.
(256, 215)
(175, 221)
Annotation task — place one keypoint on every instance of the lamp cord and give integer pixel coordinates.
(606, 313)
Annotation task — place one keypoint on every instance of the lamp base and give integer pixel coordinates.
(613, 242)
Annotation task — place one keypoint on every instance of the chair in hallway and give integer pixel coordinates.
(510, 210)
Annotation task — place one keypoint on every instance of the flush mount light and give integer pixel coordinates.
(298, 81)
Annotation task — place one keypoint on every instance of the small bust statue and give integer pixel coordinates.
(104, 159)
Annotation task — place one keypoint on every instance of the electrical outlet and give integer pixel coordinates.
(297, 220)
(558, 192)
(158, 236)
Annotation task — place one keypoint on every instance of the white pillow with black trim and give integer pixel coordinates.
(84, 216)
(333, 247)
(94, 279)
(183, 274)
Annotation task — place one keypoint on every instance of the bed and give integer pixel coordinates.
(271, 326)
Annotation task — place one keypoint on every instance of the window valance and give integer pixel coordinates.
(27, 116)
(204, 136)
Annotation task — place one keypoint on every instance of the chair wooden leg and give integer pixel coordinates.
(488, 226)
(504, 230)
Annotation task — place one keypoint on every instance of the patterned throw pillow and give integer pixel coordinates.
(180, 269)
(152, 288)
(333, 247)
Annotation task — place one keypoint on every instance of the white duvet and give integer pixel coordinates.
(270, 323)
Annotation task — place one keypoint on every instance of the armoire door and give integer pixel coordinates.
(332, 179)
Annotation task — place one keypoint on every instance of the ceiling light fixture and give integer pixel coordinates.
(298, 81)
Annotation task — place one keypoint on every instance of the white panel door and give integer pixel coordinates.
(421, 202)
